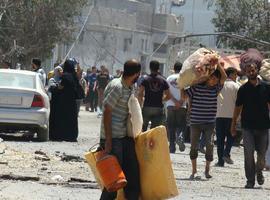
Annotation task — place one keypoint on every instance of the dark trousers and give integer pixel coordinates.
(254, 140)
(93, 98)
(154, 114)
(124, 150)
(176, 122)
(196, 130)
(223, 126)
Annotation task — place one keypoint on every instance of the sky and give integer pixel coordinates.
(197, 18)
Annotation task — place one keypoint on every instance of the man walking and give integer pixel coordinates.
(203, 99)
(92, 96)
(176, 112)
(225, 107)
(155, 89)
(114, 129)
(252, 102)
(103, 79)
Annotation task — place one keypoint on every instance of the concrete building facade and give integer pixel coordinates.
(118, 30)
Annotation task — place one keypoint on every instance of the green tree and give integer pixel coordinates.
(249, 18)
(31, 28)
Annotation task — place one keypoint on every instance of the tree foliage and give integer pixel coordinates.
(31, 28)
(249, 18)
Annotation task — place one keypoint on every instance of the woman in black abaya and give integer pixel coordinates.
(66, 117)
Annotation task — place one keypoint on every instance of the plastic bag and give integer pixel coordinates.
(251, 56)
(135, 121)
(156, 174)
(265, 70)
(198, 67)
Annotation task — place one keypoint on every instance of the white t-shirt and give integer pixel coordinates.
(174, 89)
(226, 99)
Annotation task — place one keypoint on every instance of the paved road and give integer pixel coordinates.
(56, 175)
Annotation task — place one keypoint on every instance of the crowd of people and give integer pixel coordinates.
(198, 113)
(210, 108)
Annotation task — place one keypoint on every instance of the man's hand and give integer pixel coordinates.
(108, 145)
(233, 131)
(177, 104)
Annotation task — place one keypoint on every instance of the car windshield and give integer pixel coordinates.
(17, 80)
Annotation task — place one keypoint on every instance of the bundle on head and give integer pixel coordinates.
(198, 67)
(251, 56)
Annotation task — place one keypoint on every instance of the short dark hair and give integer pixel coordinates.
(36, 61)
(131, 67)
(216, 73)
(230, 71)
(154, 65)
(177, 66)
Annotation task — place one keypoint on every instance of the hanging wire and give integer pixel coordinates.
(80, 32)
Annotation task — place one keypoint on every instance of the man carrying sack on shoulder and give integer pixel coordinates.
(113, 136)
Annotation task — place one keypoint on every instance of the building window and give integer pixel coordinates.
(127, 42)
(146, 43)
(142, 44)
(161, 49)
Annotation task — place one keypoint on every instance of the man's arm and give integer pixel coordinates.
(167, 95)
(236, 113)
(141, 94)
(107, 115)
(223, 74)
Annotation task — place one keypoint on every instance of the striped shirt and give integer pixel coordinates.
(203, 103)
(116, 95)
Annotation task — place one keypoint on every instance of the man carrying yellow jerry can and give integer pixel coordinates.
(113, 137)
(128, 158)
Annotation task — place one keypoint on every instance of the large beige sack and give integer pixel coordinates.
(135, 120)
(265, 70)
(198, 67)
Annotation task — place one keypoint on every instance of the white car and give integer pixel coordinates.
(24, 103)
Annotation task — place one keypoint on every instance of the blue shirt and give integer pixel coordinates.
(91, 79)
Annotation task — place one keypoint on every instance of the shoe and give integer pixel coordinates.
(228, 160)
(260, 178)
(172, 150)
(219, 164)
(267, 168)
(207, 175)
(249, 185)
(181, 145)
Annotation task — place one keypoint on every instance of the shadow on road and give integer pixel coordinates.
(232, 187)
(19, 137)
(188, 179)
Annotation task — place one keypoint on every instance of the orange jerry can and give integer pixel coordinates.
(111, 173)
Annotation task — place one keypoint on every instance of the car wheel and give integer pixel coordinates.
(43, 135)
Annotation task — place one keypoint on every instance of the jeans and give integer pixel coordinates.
(124, 150)
(254, 140)
(100, 97)
(154, 114)
(93, 97)
(223, 126)
(176, 122)
(196, 130)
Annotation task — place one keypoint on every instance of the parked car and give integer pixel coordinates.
(24, 103)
